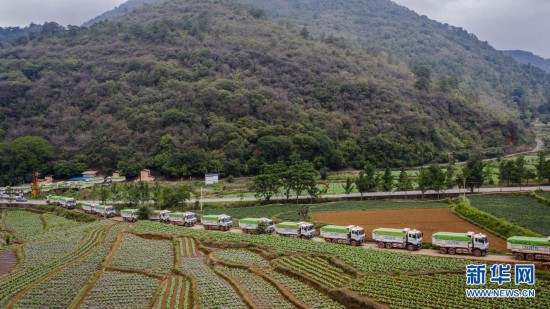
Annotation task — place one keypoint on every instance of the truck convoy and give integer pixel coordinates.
(469, 243)
(529, 248)
(351, 235)
(398, 238)
(100, 210)
(65, 202)
(217, 222)
(160, 215)
(129, 215)
(249, 225)
(182, 218)
(295, 229)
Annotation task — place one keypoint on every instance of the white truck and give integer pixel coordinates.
(160, 215)
(529, 248)
(129, 215)
(295, 229)
(65, 202)
(217, 222)
(468, 243)
(351, 234)
(104, 211)
(183, 218)
(88, 208)
(249, 225)
(398, 238)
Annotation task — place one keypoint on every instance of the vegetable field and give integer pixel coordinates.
(108, 264)
(522, 210)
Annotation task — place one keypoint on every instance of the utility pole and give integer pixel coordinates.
(201, 198)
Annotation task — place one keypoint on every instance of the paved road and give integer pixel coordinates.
(395, 194)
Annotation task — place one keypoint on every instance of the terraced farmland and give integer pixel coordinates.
(520, 209)
(120, 265)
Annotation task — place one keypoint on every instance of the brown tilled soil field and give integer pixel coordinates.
(428, 221)
(8, 261)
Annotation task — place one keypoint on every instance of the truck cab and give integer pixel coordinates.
(357, 234)
(479, 241)
(414, 237)
(129, 215)
(68, 203)
(306, 230)
(190, 219)
(225, 222)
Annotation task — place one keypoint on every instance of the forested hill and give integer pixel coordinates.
(403, 36)
(188, 87)
(122, 9)
(525, 57)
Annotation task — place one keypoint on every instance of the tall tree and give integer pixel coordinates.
(404, 182)
(387, 181)
(424, 180)
(268, 184)
(472, 172)
(362, 183)
(348, 186)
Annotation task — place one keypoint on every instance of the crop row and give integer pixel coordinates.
(262, 293)
(15, 282)
(175, 293)
(24, 223)
(366, 260)
(243, 257)
(52, 221)
(187, 247)
(136, 253)
(59, 290)
(121, 290)
(317, 269)
(65, 231)
(214, 292)
(443, 291)
(307, 294)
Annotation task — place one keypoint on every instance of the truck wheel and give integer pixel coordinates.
(381, 245)
(477, 252)
(520, 256)
(388, 245)
(410, 247)
(452, 251)
(302, 237)
(354, 243)
(443, 250)
(530, 257)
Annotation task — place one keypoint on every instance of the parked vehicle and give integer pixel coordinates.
(183, 218)
(104, 211)
(20, 199)
(129, 215)
(529, 248)
(466, 243)
(351, 235)
(398, 238)
(217, 222)
(88, 208)
(295, 229)
(249, 225)
(65, 202)
(160, 215)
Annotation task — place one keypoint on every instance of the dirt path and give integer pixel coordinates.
(8, 261)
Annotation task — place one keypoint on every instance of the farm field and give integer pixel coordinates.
(147, 264)
(428, 221)
(523, 210)
(290, 212)
(8, 261)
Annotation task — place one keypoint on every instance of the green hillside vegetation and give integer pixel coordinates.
(188, 87)
(528, 58)
(402, 36)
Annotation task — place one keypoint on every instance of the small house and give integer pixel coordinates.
(145, 176)
(89, 174)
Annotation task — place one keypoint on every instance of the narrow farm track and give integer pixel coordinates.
(8, 261)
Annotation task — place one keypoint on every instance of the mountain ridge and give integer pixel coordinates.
(529, 58)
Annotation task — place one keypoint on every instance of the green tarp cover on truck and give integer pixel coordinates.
(128, 211)
(288, 225)
(250, 220)
(389, 232)
(532, 241)
(451, 236)
(335, 229)
(210, 217)
(176, 215)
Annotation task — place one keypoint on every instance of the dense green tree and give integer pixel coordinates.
(23, 157)
(387, 181)
(472, 172)
(348, 186)
(269, 182)
(174, 197)
(404, 182)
